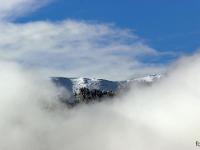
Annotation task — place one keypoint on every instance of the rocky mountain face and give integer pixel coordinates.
(86, 90)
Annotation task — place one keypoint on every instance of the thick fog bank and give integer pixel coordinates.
(164, 116)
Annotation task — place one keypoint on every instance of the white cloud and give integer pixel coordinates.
(162, 116)
(76, 48)
(10, 9)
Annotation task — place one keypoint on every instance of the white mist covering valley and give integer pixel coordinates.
(163, 116)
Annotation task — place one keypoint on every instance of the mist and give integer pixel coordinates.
(163, 116)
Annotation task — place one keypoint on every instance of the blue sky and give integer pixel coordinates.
(166, 25)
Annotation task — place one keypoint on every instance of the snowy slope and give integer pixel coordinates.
(74, 84)
(148, 78)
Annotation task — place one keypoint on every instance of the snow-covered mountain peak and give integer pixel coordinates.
(85, 82)
(75, 84)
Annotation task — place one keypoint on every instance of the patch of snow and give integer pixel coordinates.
(149, 78)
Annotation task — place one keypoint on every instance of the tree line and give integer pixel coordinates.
(85, 95)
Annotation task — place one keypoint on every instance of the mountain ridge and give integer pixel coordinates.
(86, 90)
(74, 84)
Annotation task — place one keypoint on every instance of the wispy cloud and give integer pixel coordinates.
(10, 9)
(71, 48)
(76, 48)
